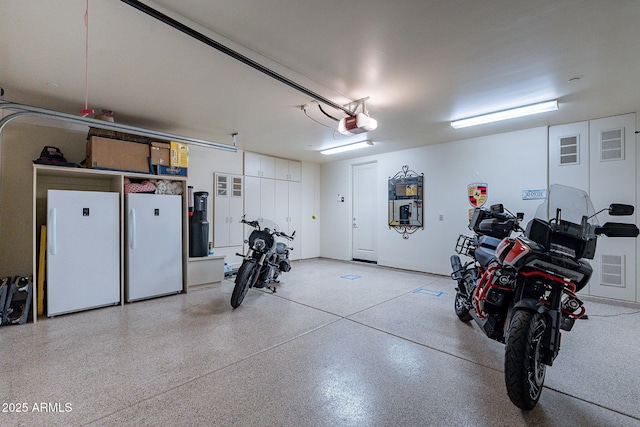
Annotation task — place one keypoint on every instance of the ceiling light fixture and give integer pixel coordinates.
(526, 110)
(348, 147)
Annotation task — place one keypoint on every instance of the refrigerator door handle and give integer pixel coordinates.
(53, 250)
(132, 228)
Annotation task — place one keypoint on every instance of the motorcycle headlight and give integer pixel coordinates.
(259, 244)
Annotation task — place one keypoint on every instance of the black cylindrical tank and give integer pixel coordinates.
(199, 226)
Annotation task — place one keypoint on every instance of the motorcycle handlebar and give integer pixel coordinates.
(281, 234)
(256, 224)
(253, 224)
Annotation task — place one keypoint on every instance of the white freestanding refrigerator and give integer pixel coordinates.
(83, 250)
(154, 245)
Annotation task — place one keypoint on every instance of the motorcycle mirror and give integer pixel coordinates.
(619, 209)
(616, 229)
(520, 216)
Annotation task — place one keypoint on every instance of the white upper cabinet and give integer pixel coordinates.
(271, 167)
(288, 170)
(259, 165)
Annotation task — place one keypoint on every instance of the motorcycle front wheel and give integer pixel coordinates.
(246, 274)
(524, 369)
(460, 307)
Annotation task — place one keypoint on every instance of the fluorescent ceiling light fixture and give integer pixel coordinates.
(348, 147)
(527, 110)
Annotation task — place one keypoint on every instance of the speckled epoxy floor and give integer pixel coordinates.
(339, 344)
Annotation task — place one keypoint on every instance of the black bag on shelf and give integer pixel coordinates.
(53, 156)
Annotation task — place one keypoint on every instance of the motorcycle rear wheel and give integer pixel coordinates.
(246, 275)
(524, 370)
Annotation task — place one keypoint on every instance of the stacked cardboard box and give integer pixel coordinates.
(135, 154)
(178, 160)
(116, 154)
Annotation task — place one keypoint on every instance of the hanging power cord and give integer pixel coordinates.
(304, 110)
(86, 110)
(336, 134)
(327, 114)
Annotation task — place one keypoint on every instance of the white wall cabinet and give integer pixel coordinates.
(227, 210)
(599, 157)
(288, 208)
(259, 165)
(288, 170)
(275, 200)
(259, 200)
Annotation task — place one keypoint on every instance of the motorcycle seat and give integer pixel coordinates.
(485, 250)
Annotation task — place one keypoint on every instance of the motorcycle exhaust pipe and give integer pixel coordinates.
(456, 266)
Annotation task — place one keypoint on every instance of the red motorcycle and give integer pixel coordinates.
(522, 291)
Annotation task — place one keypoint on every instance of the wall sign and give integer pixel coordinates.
(534, 194)
(477, 192)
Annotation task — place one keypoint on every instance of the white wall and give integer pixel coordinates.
(22, 142)
(509, 163)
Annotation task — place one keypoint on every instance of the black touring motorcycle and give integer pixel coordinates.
(522, 291)
(265, 259)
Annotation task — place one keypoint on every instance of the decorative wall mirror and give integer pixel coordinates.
(405, 202)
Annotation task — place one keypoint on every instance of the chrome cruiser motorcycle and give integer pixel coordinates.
(522, 291)
(266, 258)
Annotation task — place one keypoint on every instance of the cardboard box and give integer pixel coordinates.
(114, 154)
(117, 135)
(170, 170)
(179, 154)
(160, 153)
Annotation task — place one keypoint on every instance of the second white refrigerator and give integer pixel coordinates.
(153, 255)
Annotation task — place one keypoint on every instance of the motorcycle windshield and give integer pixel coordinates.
(266, 223)
(574, 206)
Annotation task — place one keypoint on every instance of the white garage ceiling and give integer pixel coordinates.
(421, 63)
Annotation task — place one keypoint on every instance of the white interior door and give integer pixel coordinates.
(364, 212)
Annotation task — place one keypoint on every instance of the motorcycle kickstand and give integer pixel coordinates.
(272, 289)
